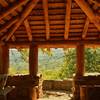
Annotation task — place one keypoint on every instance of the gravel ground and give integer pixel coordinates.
(56, 95)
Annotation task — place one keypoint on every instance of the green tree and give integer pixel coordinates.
(69, 65)
(60, 66)
(92, 60)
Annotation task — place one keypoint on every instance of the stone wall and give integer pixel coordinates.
(57, 84)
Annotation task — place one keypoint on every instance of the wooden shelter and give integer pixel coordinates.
(48, 23)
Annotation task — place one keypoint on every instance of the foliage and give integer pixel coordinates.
(55, 63)
(92, 60)
(50, 74)
(24, 54)
(46, 51)
(18, 62)
(69, 65)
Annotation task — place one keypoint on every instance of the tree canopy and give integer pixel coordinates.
(54, 63)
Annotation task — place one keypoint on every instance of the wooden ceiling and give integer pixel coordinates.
(25, 21)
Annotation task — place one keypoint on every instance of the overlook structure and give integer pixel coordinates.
(48, 23)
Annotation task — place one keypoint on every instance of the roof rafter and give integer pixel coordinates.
(13, 38)
(85, 28)
(45, 7)
(89, 12)
(67, 19)
(23, 16)
(97, 3)
(28, 29)
(4, 3)
(12, 8)
(8, 24)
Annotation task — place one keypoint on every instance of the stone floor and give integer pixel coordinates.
(56, 95)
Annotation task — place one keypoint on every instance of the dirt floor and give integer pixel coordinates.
(56, 95)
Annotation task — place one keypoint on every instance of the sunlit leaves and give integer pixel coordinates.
(24, 54)
(47, 51)
(60, 66)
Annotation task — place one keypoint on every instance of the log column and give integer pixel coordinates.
(80, 60)
(4, 59)
(4, 65)
(79, 69)
(33, 60)
(33, 68)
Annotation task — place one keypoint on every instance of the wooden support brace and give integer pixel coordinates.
(46, 16)
(67, 19)
(85, 28)
(28, 29)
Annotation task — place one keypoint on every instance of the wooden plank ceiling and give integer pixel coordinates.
(49, 20)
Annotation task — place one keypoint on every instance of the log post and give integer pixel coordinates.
(80, 60)
(33, 67)
(4, 59)
(4, 65)
(33, 60)
(79, 69)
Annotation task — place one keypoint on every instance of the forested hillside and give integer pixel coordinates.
(54, 63)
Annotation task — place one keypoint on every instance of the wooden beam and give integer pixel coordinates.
(89, 12)
(96, 2)
(12, 8)
(46, 16)
(33, 60)
(23, 16)
(57, 44)
(8, 24)
(67, 19)
(3, 3)
(28, 29)
(85, 28)
(13, 38)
